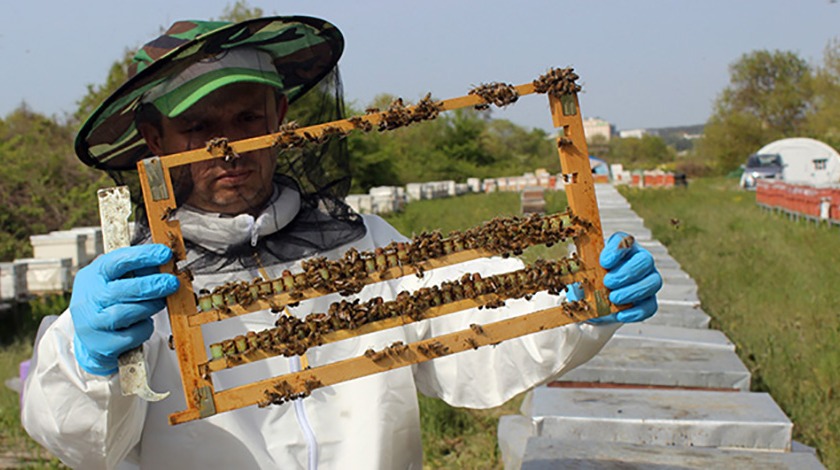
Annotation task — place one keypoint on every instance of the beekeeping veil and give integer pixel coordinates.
(297, 56)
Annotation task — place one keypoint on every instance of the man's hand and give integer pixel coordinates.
(631, 278)
(112, 315)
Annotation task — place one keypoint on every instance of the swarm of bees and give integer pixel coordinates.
(220, 147)
(557, 82)
(397, 115)
(287, 137)
(426, 109)
(499, 94)
(349, 274)
(293, 336)
(361, 123)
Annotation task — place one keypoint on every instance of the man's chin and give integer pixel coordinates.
(231, 202)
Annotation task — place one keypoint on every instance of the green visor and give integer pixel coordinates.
(194, 58)
(179, 93)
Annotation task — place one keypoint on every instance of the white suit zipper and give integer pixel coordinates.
(303, 421)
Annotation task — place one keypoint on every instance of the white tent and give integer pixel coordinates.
(806, 160)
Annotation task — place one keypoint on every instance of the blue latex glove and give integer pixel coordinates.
(631, 278)
(112, 315)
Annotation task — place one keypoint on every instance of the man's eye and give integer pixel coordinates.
(251, 117)
(193, 128)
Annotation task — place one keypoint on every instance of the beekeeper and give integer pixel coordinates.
(266, 210)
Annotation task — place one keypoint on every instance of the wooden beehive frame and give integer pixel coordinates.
(186, 319)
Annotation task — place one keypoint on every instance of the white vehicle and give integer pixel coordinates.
(761, 165)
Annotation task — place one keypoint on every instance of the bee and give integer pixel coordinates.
(477, 328)
(167, 212)
(398, 348)
(187, 273)
(171, 342)
(472, 342)
(360, 123)
(276, 307)
(564, 141)
(174, 245)
(312, 384)
(626, 242)
(438, 348)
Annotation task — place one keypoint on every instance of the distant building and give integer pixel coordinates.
(593, 127)
(634, 133)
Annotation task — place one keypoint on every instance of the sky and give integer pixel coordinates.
(643, 64)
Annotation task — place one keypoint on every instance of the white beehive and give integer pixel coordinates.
(12, 281)
(47, 275)
(58, 245)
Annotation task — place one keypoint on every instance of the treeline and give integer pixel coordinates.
(43, 186)
(772, 95)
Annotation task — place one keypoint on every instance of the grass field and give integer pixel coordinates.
(769, 283)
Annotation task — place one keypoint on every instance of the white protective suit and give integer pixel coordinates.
(367, 423)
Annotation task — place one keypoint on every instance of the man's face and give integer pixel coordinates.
(236, 111)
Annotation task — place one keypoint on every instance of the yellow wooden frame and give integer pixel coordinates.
(185, 319)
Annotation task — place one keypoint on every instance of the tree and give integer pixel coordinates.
(240, 11)
(43, 187)
(96, 94)
(824, 122)
(646, 152)
(768, 97)
(774, 87)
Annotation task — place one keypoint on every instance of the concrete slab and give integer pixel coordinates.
(686, 315)
(606, 213)
(637, 232)
(628, 218)
(543, 453)
(674, 274)
(666, 262)
(661, 417)
(662, 334)
(678, 291)
(664, 362)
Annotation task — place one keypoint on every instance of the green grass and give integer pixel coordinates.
(16, 338)
(769, 283)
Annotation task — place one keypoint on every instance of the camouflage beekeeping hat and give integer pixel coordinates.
(302, 51)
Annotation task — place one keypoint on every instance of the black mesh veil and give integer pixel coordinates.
(318, 171)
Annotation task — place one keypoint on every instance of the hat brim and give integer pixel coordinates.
(303, 50)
